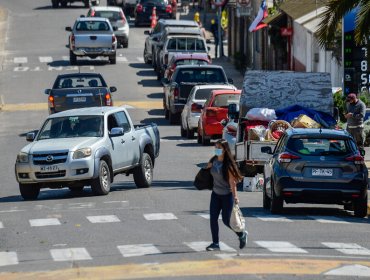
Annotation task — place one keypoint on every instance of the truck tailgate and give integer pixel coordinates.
(93, 40)
(251, 151)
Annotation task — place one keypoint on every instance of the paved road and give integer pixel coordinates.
(156, 233)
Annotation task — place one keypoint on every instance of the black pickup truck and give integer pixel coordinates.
(79, 90)
(177, 89)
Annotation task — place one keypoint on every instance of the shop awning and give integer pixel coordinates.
(312, 20)
(297, 9)
(273, 17)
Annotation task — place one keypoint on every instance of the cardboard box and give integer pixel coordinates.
(304, 121)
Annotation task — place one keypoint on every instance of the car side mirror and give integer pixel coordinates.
(231, 81)
(165, 81)
(47, 91)
(31, 136)
(146, 32)
(116, 131)
(113, 89)
(68, 28)
(266, 150)
(115, 28)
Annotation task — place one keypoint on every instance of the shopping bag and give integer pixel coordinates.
(204, 180)
(237, 221)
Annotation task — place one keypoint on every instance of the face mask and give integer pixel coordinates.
(218, 152)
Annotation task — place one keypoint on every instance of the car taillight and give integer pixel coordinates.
(211, 113)
(166, 59)
(139, 8)
(357, 159)
(123, 18)
(176, 93)
(92, 13)
(108, 100)
(287, 157)
(51, 102)
(73, 41)
(195, 108)
(168, 9)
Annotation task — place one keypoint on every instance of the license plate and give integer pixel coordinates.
(322, 172)
(79, 99)
(49, 168)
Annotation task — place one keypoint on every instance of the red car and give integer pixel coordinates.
(186, 59)
(213, 112)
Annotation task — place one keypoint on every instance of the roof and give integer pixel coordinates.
(80, 74)
(210, 66)
(273, 17)
(175, 22)
(214, 87)
(226, 91)
(107, 8)
(92, 19)
(88, 111)
(296, 9)
(200, 56)
(183, 30)
(318, 132)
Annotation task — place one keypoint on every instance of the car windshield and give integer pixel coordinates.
(93, 25)
(186, 44)
(71, 127)
(200, 76)
(191, 62)
(111, 15)
(319, 146)
(79, 82)
(203, 93)
(155, 2)
(223, 100)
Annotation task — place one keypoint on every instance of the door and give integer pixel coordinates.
(118, 149)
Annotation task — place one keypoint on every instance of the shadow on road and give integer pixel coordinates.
(156, 112)
(160, 121)
(80, 62)
(141, 66)
(49, 7)
(157, 95)
(145, 73)
(150, 83)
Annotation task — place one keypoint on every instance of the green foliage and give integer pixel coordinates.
(340, 103)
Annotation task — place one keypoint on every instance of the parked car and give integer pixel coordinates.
(117, 19)
(179, 44)
(192, 110)
(63, 3)
(177, 89)
(78, 90)
(87, 146)
(315, 166)
(127, 5)
(155, 35)
(186, 59)
(144, 8)
(92, 37)
(214, 111)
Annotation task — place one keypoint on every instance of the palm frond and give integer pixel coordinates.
(362, 29)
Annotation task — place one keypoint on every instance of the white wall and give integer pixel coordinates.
(299, 43)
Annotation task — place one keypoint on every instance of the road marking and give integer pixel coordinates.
(121, 59)
(103, 219)
(348, 248)
(205, 215)
(160, 216)
(272, 218)
(65, 58)
(8, 258)
(328, 219)
(140, 59)
(45, 59)
(20, 60)
(44, 222)
(200, 246)
(138, 250)
(1, 225)
(70, 254)
(280, 247)
(351, 270)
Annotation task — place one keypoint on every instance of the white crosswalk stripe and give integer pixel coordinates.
(207, 216)
(70, 254)
(138, 250)
(200, 246)
(121, 59)
(160, 216)
(65, 57)
(280, 247)
(103, 219)
(20, 60)
(8, 258)
(329, 219)
(45, 59)
(44, 222)
(272, 218)
(348, 248)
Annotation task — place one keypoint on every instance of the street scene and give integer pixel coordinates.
(110, 110)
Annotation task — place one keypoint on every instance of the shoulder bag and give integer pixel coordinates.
(204, 180)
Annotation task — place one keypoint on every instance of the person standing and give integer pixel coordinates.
(214, 31)
(225, 177)
(356, 110)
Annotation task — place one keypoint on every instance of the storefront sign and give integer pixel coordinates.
(286, 31)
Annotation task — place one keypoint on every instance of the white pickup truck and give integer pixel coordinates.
(87, 147)
(92, 37)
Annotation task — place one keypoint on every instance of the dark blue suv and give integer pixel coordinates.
(315, 166)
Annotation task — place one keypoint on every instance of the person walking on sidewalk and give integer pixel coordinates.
(225, 175)
(214, 31)
(356, 110)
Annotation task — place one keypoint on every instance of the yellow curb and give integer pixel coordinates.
(191, 269)
(44, 106)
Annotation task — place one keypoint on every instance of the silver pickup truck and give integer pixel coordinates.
(92, 37)
(87, 147)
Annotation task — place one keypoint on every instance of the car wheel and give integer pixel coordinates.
(172, 118)
(277, 203)
(101, 185)
(64, 3)
(88, 3)
(125, 44)
(76, 189)
(72, 58)
(112, 59)
(266, 199)
(189, 133)
(360, 207)
(143, 174)
(199, 137)
(136, 23)
(182, 131)
(54, 3)
(205, 141)
(29, 191)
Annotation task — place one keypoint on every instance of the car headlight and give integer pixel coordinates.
(22, 157)
(82, 153)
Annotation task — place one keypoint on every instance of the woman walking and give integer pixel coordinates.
(225, 177)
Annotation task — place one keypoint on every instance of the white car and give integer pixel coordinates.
(117, 19)
(191, 113)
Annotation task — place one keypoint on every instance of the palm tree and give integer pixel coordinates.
(332, 17)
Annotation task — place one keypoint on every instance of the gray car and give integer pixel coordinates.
(315, 166)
